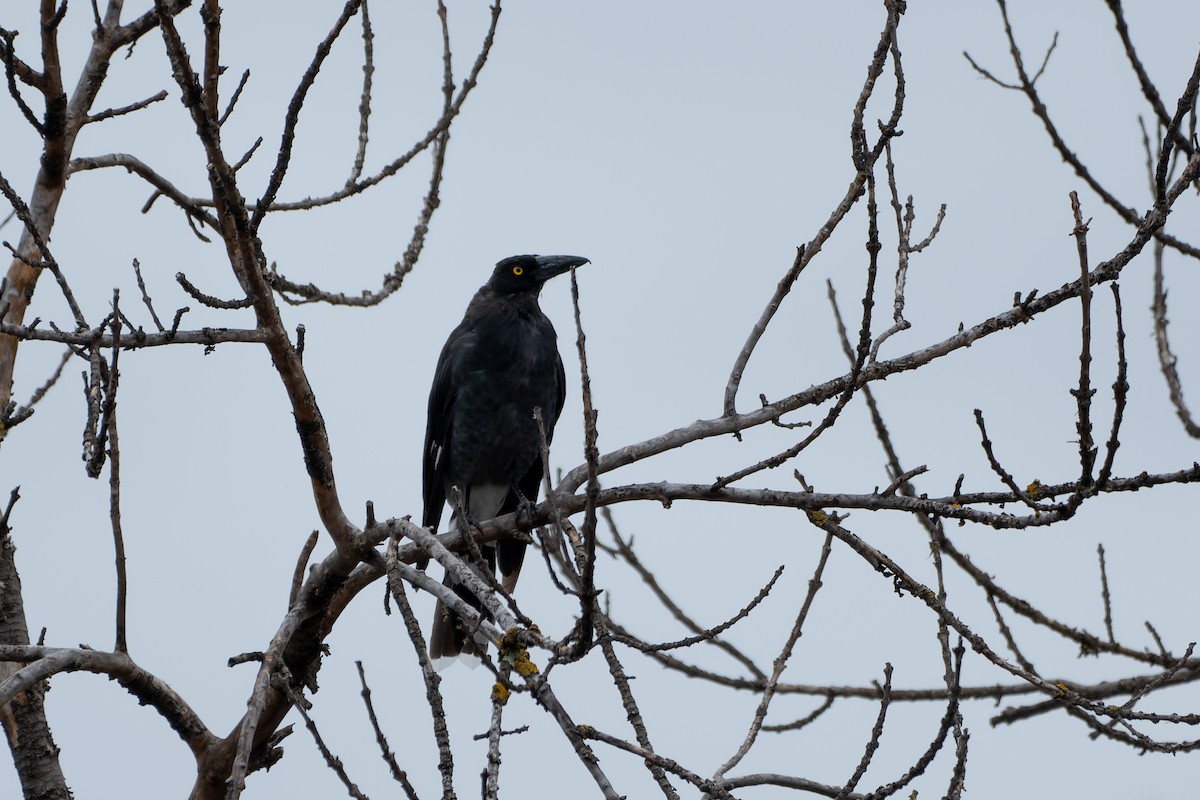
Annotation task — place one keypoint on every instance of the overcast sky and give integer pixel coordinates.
(687, 149)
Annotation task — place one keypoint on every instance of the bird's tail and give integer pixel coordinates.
(448, 641)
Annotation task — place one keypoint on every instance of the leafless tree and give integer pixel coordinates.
(581, 543)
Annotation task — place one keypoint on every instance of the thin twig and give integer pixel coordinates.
(864, 341)
(47, 259)
(332, 761)
(233, 98)
(1104, 595)
(1025, 85)
(209, 300)
(626, 552)
(1162, 648)
(129, 109)
(13, 67)
(711, 788)
(804, 721)
(491, 770)
(1148, 88)
(1167, 361)
(587, 585)
(137, 271)
(769, 690)
(1120, 393)
(114, 513)
(1083, 395)
(1019, 314)
(364, 103)
(632, 712)
(951, 720)
(710, 633)
(433, 695)
(1000, 471)
(864, 163)
(306, 552)
(885, 701)
(191, 207)
(389, 757)
(292, 118)
(23, 413)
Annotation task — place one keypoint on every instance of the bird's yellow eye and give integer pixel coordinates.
(518, 270)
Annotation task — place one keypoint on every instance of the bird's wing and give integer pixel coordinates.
(510, 553)
(560, 382)
(442, 396)
(530, 483)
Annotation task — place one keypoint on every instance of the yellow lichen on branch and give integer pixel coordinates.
(513, 652)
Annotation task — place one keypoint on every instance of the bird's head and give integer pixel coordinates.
(518, 274)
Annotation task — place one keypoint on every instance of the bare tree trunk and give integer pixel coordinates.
(24, 719)
(34, 752)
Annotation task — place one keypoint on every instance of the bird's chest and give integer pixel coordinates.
(513, 361)
(511, 370)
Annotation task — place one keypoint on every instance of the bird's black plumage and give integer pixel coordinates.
(497, 366)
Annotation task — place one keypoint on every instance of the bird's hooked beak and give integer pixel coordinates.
(549, 266)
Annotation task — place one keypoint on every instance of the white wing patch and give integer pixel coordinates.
(486, 499)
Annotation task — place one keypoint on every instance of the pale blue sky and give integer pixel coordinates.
(686, 149)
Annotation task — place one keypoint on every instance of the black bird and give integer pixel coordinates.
(498, 365)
